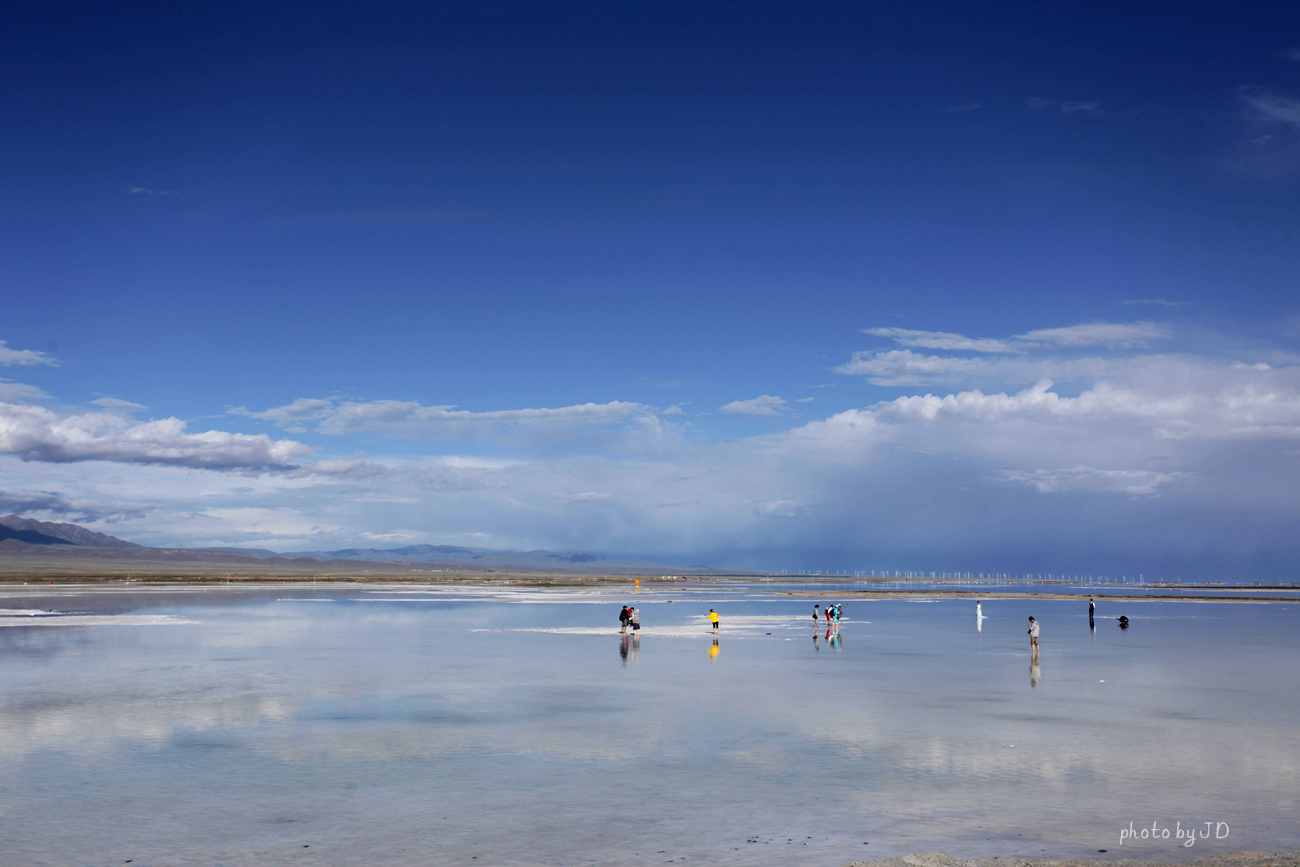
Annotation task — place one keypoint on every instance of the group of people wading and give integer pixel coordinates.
(833, 615)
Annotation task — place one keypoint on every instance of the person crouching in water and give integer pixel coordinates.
(1033, 637)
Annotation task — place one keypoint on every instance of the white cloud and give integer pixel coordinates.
(1136, 483)
(20, 391)
(942, 340)
(1144, 458)
(24, 357)
(1271, 107)
(902, 367)
(396, 537)
(38, 434)
(270, 524)
(785, 507)
(50, 505)
(113, 403)
(412, 420)
(1114, 334)
(1065, 106)
(765, 404)
(291, 416)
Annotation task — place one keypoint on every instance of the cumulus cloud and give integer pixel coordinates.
(942, 340)
(764, 404)
(38, 434)
(24, 357)
(1143, 460)
(1237, 407)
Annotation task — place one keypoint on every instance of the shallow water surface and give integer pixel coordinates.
(337, 725)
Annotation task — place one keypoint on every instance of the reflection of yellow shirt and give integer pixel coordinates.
(713, 651)
(713, 617)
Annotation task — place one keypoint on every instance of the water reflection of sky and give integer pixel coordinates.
(515, 726)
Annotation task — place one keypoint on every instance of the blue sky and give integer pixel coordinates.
(752, 284)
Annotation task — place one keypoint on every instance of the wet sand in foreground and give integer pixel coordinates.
(1233, 859)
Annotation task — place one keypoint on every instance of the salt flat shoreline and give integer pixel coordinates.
(1232, 859)
(845, 593)
(972, 594)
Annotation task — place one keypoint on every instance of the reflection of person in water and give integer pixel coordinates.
(623, 643)
(836, 641)
(1123, 622)
(816, 646)
(1035, 673)
(713, 649)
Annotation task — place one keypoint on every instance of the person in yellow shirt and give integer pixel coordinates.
(713, 618)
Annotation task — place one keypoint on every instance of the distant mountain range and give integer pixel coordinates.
(48, 533)
(25, 535)
(456, 554)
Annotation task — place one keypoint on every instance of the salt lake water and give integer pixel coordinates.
(397, 725)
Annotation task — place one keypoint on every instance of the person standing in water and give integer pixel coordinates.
(713, 618)
(1092, 607)
(979, 608)
(817, 615)
(1033, 637)
(622, 620)
(634, 618)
